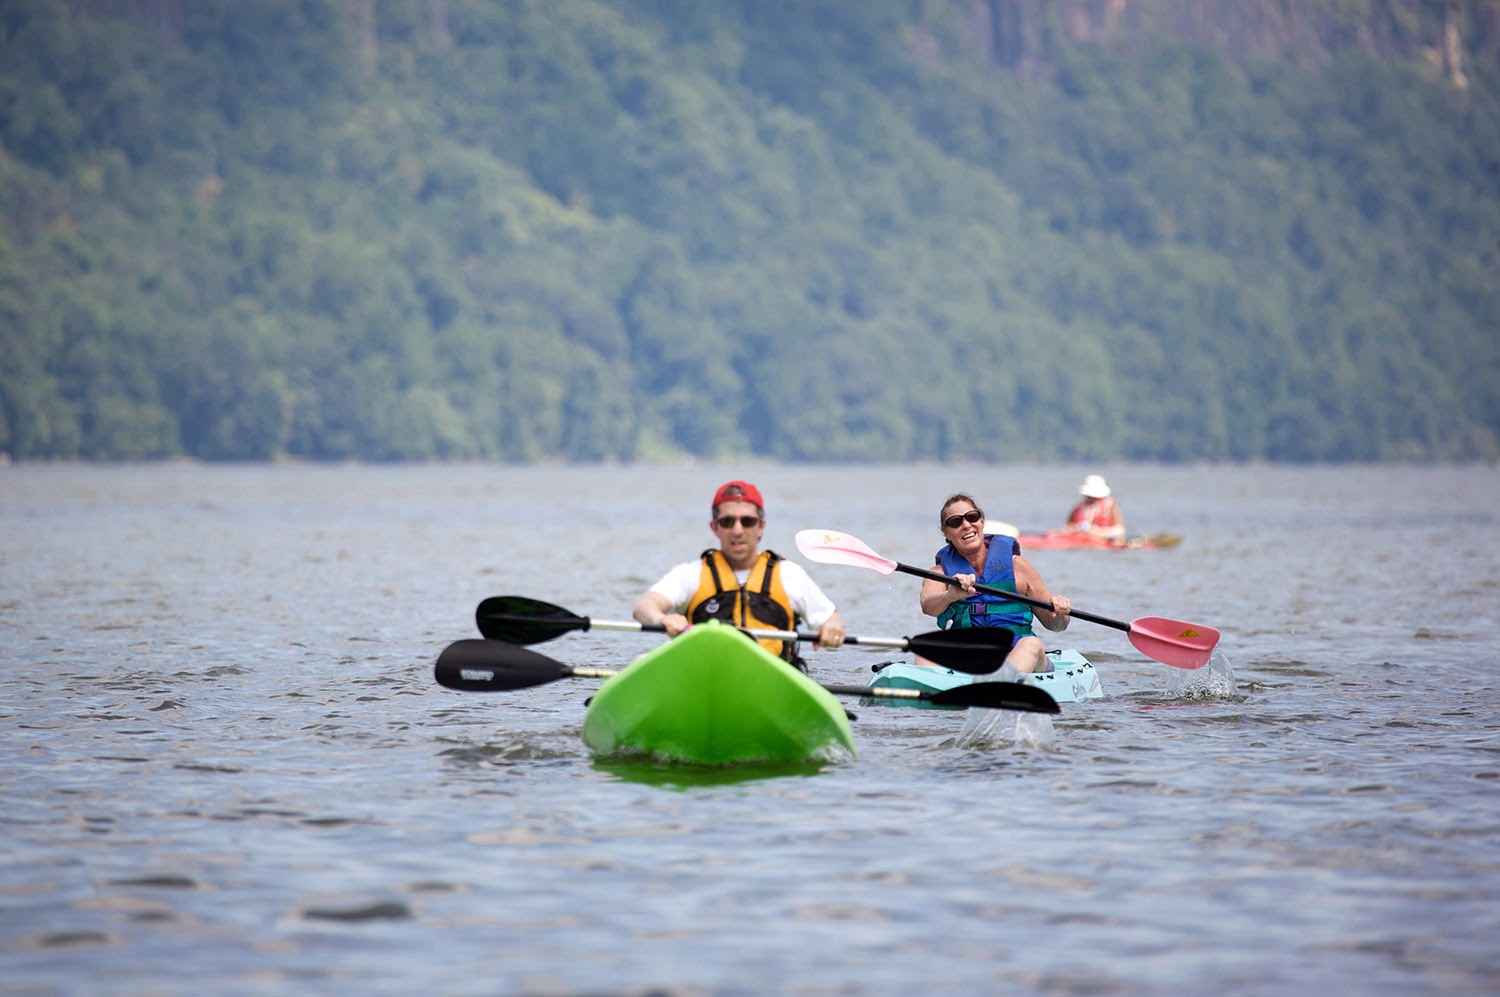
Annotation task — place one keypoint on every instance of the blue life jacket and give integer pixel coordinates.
(982, 609)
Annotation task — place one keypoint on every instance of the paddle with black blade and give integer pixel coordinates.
(517, 619)
(476, 665)
(1172, 642)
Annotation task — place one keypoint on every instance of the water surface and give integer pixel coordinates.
(227, 768)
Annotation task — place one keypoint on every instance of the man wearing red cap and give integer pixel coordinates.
(740, 584)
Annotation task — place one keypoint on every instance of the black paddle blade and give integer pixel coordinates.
(975, 650)
(492, 666)
(999, 696)
(517, 619)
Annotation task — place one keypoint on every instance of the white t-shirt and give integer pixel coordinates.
(679, 584)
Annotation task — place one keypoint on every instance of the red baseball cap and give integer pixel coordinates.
(738, 491)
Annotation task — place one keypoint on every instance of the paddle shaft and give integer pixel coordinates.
(1013, 596)
(899, 643)
(518, 619)
(986, 695)
(494, 666)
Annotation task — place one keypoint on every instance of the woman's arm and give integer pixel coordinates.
(938, 596)
(1029, 582)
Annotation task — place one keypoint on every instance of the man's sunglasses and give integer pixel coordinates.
(953, 522)
(748, 522)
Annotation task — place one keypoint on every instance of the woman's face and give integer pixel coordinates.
(963, 524)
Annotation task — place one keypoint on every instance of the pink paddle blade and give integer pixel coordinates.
(1174, 642)
(833, 547)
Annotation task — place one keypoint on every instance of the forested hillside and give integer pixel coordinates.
(802, 229)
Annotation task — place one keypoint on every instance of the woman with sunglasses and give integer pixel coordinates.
(971, 557)
(741, 584)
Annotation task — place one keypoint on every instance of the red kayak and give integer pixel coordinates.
(1072, 540)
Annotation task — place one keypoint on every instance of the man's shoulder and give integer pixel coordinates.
(686, 569)
(794, 577)
(789, 567)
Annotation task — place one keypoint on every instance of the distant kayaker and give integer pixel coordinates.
(995, 561)
(1097, 513)
(740, 584)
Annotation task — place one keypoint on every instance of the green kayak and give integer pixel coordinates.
(713, 696)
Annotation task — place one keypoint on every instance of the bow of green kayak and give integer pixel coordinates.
(712, 696)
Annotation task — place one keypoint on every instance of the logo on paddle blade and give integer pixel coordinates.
(1188, 634)
(476, 675)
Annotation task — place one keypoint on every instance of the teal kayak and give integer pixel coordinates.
(712, 696)
(1071, 679)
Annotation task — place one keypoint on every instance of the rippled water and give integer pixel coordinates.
(227, 769)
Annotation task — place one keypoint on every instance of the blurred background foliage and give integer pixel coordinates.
(802, 229)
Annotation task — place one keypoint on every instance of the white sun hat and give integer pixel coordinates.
(1094, 487)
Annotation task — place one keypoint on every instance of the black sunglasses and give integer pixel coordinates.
(972, 516)
(727, 522)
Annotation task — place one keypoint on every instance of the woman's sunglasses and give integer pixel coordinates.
(953, 522)
(748, 522)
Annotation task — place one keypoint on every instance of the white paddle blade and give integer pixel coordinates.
(833, 547)
(1001, 527)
